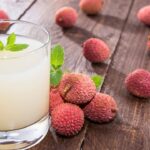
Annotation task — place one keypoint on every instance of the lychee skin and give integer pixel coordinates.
(55, 99)
(66, 17)
(91, 7)
(77, 88)
(101, 109)
(67, 119)
(144, 15)
(138, 83)
(96, 50)
(3, 16)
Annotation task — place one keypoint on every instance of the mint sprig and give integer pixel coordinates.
(11, 45)
(98, 80)
(11, 39)
(57, 60)
(56, 76)
(16, 47)
(1, 45)
(57, 56)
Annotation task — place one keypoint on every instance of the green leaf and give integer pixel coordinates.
(1, 45)
(98, 80)
(57, 56)
(11, 39)
(16, 47)
(55, 77)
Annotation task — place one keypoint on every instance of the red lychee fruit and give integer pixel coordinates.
(3, 16)
(66, 17)
(55, 99)
(95, 50)
(77, 88)
(101, 109)
(144, 15)
(67, 119)
(91, 7)
(138, 83)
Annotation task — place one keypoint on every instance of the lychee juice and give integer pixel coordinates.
(24, 85)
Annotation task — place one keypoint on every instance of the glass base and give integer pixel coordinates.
(24, 138)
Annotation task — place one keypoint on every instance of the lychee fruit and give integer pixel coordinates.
(3, 16)
(138, 83)
(95, 50)
(55, 99)
(77, 88)
(66, 17)
(101, 109)
(144, 15)
(91, 7)
(67, 119)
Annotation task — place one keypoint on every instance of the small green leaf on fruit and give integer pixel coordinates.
(16, 47)
(98, 80)
(1, 45)
(55, 77)
(57, 56)
(11, 39)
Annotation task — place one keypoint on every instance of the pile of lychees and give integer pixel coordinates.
(73, 97)
(76, 97)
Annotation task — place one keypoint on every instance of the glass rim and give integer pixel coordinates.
(29, 23)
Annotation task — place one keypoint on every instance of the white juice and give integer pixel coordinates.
(24, 85)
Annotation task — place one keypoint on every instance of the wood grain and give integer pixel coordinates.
(131, 128)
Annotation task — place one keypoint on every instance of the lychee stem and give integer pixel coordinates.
(66, 90)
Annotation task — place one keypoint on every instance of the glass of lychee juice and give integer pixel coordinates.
(24, 84)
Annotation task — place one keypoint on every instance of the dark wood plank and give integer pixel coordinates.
(131, 129)
(16, 8)
(110, 22)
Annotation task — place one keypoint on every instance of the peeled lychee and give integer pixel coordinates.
(95, 50)
(77, 88)
(67, 119)
(91, 7)
(3, 16)
(144, 15)
(138, 83)
(102, 108)
(66, 17)
(55, 99)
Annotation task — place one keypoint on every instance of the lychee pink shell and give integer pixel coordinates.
(55, 99)
(3, 15)
(77, 88)
(102, 108)
(91, 7)
(67, 119)
(96, 50)
(138, 83)
(144, 15)
(66, 17)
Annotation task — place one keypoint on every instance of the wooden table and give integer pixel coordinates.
(126, 36)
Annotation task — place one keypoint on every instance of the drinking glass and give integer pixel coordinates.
(24, 86)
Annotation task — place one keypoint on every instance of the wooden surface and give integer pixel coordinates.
(117, 24)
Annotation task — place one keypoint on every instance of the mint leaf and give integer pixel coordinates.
(16, 47)
(98, 80)
(55, 77)
(57, 56)
(1, 45)
(11, 39)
